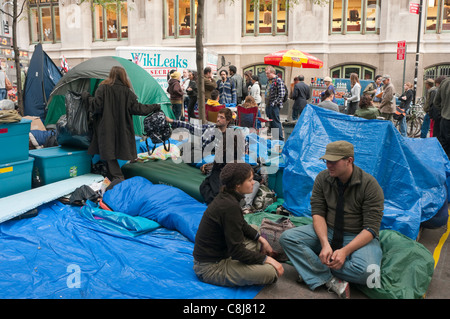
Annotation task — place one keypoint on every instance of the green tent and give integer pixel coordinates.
(87, 75)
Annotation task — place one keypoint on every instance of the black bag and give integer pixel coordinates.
(74, 127)
(158, 130)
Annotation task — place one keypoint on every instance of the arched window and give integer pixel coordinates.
(436, 71)
(343, 71)
(260, 71)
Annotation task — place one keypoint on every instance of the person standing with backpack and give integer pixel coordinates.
(113, 106)
(277, 95)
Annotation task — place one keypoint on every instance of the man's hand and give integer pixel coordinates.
(325, 254)
(337, 259)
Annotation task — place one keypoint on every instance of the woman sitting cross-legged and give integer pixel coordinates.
(228, 251)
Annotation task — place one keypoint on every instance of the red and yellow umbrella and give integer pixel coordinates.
(293, 58)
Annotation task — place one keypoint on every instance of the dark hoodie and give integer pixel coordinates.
(175, 91)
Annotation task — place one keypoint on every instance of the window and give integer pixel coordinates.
(437, 16)
(265, 17)
(110, 21)
(260, 71)
(180, 18)
(344, 71)
(354, 16)
(44, 21)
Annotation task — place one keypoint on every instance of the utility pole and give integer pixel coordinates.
(417, 52)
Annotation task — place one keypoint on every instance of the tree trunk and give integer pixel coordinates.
(17, 59)
(199, 60)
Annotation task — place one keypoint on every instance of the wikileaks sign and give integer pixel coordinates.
(158, 61)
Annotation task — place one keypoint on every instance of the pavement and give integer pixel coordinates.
(287, 286)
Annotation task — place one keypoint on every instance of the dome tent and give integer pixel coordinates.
(87, 75)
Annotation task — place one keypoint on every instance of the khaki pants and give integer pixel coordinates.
(229, 272)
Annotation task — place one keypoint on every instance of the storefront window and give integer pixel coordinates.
(354, 16)
(438, 16)
(180, 18)
(110, 21)
(265, 17)
(44, 21)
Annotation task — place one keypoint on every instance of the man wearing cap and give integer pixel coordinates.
(328, 82)
(388, 104)
(341, 245)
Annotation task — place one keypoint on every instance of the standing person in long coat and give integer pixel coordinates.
(112, 107)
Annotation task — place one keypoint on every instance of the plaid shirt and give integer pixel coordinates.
(276, 92)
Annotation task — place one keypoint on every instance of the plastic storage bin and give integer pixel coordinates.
(53, 164)
(15, 177)
(14, 140)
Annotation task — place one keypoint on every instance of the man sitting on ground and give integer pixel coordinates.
(341, 245)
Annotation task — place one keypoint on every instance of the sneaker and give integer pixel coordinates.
(341, 287)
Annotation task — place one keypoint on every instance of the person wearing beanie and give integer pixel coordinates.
(228, 251)
(176, 93)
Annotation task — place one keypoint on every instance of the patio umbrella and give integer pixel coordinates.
(293, 58)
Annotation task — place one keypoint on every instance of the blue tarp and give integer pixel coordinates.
(64, 253)
(412, 172)
(41, 78)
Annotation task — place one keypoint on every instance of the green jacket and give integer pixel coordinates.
(370, 113)
(363, 201)
(442, 99)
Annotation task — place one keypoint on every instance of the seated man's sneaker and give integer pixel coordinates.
(341, 287)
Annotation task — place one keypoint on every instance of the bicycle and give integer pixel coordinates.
(414, 119)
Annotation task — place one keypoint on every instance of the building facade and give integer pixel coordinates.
(347, 35)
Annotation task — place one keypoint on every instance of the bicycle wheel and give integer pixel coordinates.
(414, 126)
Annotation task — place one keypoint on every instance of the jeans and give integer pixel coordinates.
(273, 113)
(3, 94)
(302, 247)
(176, 109)
(403, 127)
(425, 126)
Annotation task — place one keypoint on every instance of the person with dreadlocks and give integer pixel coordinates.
(228, 251)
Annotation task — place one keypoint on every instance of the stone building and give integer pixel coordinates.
(347, 35)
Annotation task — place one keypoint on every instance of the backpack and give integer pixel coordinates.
(264, 198)
(158, 130)
(286, 95)
(399, 113)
